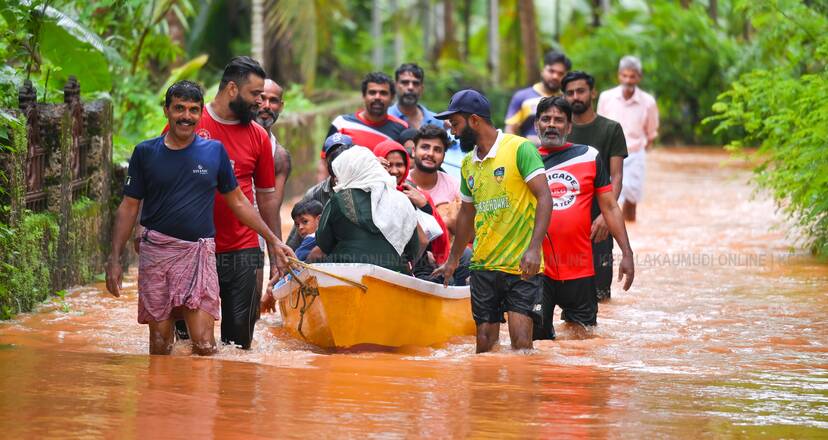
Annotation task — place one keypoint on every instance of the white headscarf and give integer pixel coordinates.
(392, 212)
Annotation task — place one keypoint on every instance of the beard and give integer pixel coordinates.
(579, 107)
(377, 108)
(628, 87)
(243, 110)
(424, 168)
(267, 122)
(553, 138)
(553, 86)
(409, 99)
(468, 139)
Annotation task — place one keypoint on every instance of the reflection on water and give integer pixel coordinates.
(723, 334)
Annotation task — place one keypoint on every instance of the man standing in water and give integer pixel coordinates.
(607, 137)
(576, 178)
(176, 176)
(229, 119)
(269, 110)
(520, 116)
(506, 205)
(637, 113)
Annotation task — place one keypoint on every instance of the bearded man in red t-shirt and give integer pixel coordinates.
(230, 119)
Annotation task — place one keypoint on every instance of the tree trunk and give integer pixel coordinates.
(448, 43)
(597, 10)
(494, 42)
(685, 3)
(529, 39)
(449, 40)
(713, 10)
(425, 21)
(376, 34)
(257, 30)
(399, 48)
(557, 35)
(176, 33)
(467, 6)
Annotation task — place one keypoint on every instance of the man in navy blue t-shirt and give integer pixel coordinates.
(176, 176)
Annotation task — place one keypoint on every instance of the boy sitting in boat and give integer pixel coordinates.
(305, 216)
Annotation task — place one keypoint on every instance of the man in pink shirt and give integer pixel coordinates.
(637, 113)
(430, 145)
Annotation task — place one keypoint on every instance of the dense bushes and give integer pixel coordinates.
(784, 111)
(687, 62)
(27, 250)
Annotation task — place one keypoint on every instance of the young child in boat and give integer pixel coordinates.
(305, 216)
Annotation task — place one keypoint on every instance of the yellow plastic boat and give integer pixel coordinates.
(347, 305)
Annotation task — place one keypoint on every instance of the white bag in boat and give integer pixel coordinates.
(429, 224)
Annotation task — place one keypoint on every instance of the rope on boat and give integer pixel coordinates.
(324, 272)
(305, 290)
(310, 289)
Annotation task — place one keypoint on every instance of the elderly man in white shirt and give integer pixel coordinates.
(637, 113)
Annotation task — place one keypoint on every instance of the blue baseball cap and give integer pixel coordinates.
(467, 101)
(334, 140)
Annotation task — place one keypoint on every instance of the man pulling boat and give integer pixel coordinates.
(176, 176)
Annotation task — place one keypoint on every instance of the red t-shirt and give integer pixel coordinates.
(575, 175)
(248, 146)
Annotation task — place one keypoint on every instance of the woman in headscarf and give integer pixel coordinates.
(367, 220)
(398, 164)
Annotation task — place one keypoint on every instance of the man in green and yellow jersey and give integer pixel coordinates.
(506, 208)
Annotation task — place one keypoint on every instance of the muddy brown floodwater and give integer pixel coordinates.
(722, 335)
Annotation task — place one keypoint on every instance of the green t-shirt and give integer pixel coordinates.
(605, 135)
(505, 205)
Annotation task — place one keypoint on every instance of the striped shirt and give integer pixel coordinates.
(366, 133)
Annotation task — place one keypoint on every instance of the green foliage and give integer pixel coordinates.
(27, 251)
(686, 59)
(117, 48)
(783, 110)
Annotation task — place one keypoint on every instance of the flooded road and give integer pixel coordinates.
(724, 334)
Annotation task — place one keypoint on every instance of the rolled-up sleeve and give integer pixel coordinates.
(651, 124)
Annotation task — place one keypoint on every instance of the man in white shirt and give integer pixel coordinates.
(637, 113)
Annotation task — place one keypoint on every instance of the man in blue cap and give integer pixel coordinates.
(506, 206)
(322, 191)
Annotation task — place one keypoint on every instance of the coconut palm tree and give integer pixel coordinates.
(302, 30)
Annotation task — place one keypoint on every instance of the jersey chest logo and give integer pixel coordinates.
(499, 173)
(564, 188)
(204, 133)
(200, 170)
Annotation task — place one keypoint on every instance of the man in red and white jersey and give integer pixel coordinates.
(576, 175)
(230, 119)
(372, 124)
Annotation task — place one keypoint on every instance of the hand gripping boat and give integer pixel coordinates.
(346, 305)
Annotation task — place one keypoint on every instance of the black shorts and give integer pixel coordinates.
(602, 260)
(575, 297)
(494, 292)
(240, 297)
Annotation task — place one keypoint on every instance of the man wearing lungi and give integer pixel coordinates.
(176, 176)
